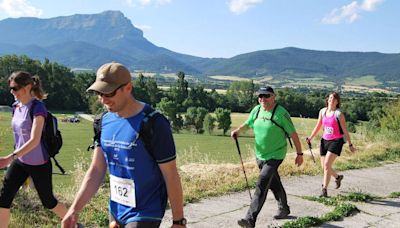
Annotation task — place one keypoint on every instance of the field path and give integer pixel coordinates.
(224, 211)
(86, 116)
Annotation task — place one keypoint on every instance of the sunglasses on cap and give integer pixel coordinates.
(268, 95)
(109, 95)
(15, 88)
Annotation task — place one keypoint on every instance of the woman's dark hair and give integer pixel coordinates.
(23, 78)
(336, 96)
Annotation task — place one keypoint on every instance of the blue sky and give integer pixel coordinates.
(225, 28)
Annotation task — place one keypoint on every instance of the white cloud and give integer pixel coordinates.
(143, 27)
(241, 6)
(370, 5)
(351, 12)
(19, 8)
(143, 3)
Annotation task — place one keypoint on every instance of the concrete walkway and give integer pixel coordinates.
(226, 210)
(86, 116)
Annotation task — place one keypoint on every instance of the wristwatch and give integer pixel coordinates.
(181, 222)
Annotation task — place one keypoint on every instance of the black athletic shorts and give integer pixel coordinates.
(334, 146)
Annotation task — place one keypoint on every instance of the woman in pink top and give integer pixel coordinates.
(334, 135)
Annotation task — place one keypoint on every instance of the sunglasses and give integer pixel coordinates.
(268, 95)
(109, 95)
(15, 88)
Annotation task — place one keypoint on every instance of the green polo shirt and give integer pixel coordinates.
(270, 140)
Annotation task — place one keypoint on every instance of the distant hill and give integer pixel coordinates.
(87, 41)
(295, 61)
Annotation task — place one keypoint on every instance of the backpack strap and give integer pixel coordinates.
(31, 109)
(337, 116)
(97, 122)
(283, 129)
(146, 131)
(14, 106)
(258, 112)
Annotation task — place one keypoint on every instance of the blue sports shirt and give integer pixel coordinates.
(137, 187)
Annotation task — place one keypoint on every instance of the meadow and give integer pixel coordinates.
(209, 165)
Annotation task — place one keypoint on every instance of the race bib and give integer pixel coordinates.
(122, 191)
(329, 130)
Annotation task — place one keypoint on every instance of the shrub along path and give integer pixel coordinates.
(367, 198)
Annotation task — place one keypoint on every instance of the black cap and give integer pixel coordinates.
(265, 90)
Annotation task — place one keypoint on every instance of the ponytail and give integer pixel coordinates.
(23, 78)
(37, 89)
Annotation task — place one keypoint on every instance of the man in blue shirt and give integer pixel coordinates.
(140, 181)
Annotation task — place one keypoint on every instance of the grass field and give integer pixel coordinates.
(228, 78)
(357, 88)
(368, 80)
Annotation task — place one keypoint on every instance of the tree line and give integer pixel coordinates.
(187, 106)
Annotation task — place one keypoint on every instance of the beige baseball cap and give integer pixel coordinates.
(109, 77)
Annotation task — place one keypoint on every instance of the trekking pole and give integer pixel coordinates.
(244, 171)
(309, 147)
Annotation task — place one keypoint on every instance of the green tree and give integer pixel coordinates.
(195, 117)
(153, 93)
(180, 91)
(241, 95)
(81, 82)
(139, 89)
(197, 98)
(223, 117)
(209, 123)
(170, 110)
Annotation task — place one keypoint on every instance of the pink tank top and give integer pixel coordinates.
(331, 127)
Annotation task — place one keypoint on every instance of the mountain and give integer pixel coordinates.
(89, 40)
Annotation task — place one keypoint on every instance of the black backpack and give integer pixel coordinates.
(51, 136)
(274, 122)
(146, 128)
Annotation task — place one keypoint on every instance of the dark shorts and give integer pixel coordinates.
(334, 146)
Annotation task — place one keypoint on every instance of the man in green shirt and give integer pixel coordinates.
(272, 125)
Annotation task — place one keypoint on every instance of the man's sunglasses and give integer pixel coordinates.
(15, 88)
(268, 95)
(109, 95)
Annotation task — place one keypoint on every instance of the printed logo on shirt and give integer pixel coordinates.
(264, 118)
(117, 145)
(329, 130)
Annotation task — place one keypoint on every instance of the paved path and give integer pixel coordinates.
(86, 116)
(226, 210)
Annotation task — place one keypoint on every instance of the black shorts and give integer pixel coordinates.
(334, 146)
